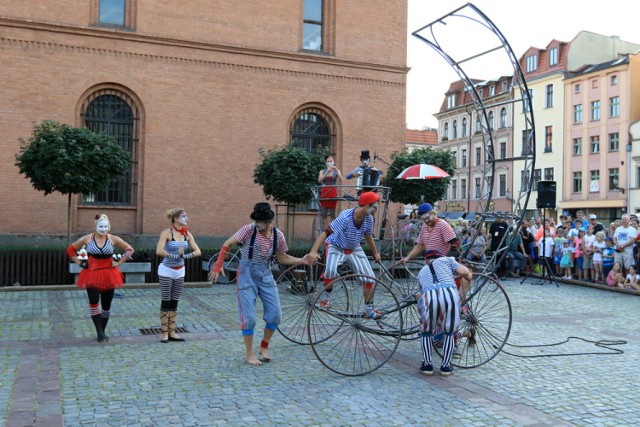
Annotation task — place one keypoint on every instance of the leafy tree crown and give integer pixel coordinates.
(70, 160)
(287, 173)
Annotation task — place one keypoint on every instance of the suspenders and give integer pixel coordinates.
(434, 275)
(253, 241)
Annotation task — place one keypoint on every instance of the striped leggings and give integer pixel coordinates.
(171, 286)
(439, 310)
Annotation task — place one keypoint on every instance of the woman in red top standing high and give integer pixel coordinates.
(100, 274)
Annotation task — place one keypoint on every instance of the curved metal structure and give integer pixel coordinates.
(485, 44)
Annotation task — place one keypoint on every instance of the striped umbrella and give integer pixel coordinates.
(422, 171)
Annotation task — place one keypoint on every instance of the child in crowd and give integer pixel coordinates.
(545, 246)
(558, 244)
(566, 262)
(578, 251)
(607, 256)
(598, 248)
(633, 279)
(587, 258)
(615, 276)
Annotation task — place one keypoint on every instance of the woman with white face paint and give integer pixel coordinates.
(176, 244)
(261, 242)
(100, 274)
(329, 177)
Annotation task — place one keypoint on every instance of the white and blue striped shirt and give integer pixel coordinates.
(345, 234)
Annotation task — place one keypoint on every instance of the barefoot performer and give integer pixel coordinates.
(261, 242)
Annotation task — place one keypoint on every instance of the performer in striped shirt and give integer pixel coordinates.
(173, 246)
(100, 274)
(436, 235)
(343, 237)
(261, 242)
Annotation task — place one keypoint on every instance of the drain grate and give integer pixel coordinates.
(155, 331)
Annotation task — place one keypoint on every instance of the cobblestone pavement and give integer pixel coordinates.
(53, 373)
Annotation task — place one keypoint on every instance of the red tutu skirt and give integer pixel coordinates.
(100, 275)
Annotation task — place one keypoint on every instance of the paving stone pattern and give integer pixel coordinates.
(53, 373)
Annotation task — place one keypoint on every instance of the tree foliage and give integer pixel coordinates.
(416, 191)
(69, 160)
(287, 173)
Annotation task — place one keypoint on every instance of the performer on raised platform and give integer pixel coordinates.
(367, 176)
(329, 177)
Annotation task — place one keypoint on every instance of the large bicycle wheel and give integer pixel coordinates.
(297, 289)
(230, 265)
(343, 339)
(485, 322)
(403, 282)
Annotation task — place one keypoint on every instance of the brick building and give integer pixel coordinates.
(194, 92)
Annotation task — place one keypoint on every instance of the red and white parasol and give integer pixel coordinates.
(422, 171)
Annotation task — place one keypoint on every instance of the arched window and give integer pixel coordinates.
(313, 128)
(113, 112)
(446, 131)
(454, 129)
(503, 118)
(491, 120)
(464, 127)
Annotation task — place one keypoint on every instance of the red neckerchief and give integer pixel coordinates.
(182, 231)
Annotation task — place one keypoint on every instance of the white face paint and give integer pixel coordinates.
(365, 162)
(329, 164)
(261, 225)
(371, 209)
(102, 227)
(183, 219)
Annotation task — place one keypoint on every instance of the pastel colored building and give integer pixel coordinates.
(547, 72)
(600, 106)
(460, 130)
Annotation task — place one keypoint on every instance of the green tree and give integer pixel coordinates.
(415, 191)
(287, 174)
(69, 160)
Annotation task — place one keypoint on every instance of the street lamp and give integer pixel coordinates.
(615, 181)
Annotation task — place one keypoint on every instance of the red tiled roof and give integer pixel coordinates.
(423, 137)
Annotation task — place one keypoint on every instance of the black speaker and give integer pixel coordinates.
(546, 194)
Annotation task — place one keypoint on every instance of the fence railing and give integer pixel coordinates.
(52, 268)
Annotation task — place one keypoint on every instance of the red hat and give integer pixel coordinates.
(368, 198)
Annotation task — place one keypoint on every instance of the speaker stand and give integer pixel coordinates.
(543, 261)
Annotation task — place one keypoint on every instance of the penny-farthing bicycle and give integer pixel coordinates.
(341, 337)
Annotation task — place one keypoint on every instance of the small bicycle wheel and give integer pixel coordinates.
(230, 266)
(297, 289)
(485, 322)
(343, 338)
(403, 281)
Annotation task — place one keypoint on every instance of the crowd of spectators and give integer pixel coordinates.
(580, 248)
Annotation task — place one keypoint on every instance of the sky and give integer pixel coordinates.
(430, 75)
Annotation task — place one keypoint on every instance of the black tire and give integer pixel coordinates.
(343, 339)
(485, 322)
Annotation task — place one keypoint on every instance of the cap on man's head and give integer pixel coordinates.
(432, 254)
(593, 216)
(364, 155)
(367, 198)
(424, 208)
